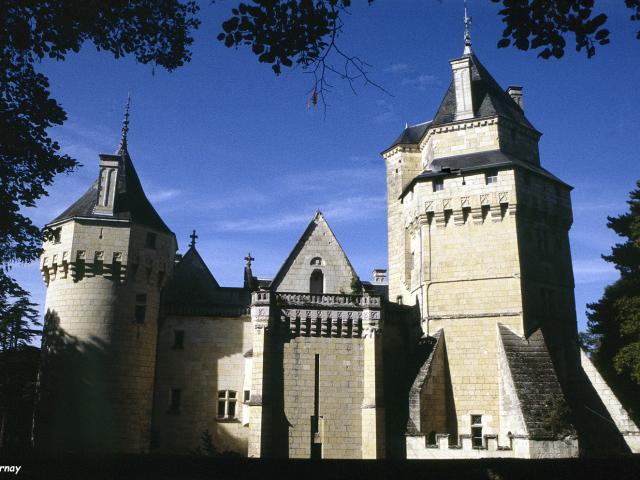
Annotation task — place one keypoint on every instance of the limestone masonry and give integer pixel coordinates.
(470, 349)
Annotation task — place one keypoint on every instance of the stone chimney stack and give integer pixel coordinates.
(380, 276)
(515, 92)
(109, 170)
(462, 83)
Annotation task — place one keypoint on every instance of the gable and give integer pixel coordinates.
(317, 250)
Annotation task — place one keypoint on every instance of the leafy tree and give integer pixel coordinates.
(614, 321)
(153, 32)
(17, 316)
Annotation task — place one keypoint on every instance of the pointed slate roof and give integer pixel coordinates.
(131, 203)
(318, 221)
(193, 290)
(489, 99)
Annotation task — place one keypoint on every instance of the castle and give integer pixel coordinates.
(469, 351)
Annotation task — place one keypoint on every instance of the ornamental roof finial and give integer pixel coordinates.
(467, 31)
(193, 237)
(125, 127)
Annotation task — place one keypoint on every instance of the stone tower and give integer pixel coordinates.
(105, 262)
(478, 239)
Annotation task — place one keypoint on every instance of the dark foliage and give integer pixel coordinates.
(614, 321)
(18, 373)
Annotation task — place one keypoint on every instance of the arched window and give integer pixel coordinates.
(316, 261)
(316, 282)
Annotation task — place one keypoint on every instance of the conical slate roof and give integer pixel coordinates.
(130, 203)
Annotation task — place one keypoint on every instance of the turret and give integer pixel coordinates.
(105, 263)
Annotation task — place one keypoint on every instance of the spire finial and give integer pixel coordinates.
(193, 237)
(467, 31)
(249, 259)
(125, 126)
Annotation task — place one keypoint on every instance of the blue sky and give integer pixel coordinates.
(225, 147)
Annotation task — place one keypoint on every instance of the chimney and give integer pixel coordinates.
(462, 84)
(515, 92)
(109, 169)
(380, 276)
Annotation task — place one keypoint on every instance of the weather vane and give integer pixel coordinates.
(467, 31)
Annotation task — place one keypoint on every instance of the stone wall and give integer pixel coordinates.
(212, 360)
(341, 367)
(460, 138)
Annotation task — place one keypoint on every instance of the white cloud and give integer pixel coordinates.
(421, 82)
(353, 209)
(387, 113)
(593, 270)
(158, 196)
(398, 68)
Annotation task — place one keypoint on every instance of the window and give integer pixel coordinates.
(141, 308)
(399, 299)
(176, 399)
(476, 431)
(492, 178)
(150, 242)
(438, 185)
(316, 282)
(227, 404)
(316, 261)
(247, 396)
(178, 339)
(55, 235)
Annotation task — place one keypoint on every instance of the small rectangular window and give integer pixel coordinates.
(476, 431)
(247, 396)
(492, 178)
(55, 235)
(227, 400)
(141, 308)
(438, 185)
(176, 400)
(178, 339)
(151, 240)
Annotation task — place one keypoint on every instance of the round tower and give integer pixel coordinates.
(105, 261)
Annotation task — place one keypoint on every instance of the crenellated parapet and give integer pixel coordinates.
(77, 264)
